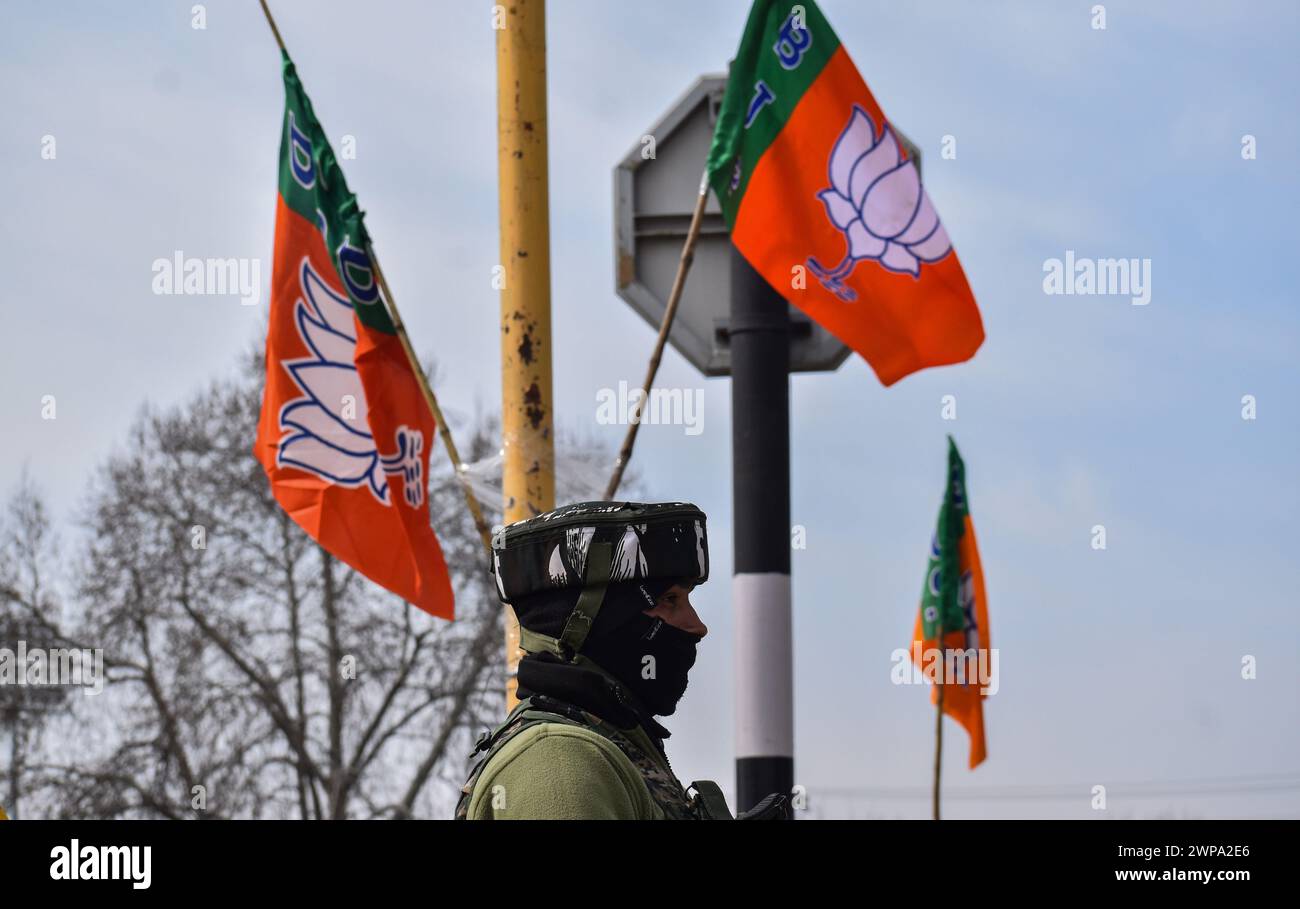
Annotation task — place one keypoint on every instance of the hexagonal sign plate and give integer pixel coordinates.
(655, 189)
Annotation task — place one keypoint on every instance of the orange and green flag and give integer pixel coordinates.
(823, 201)
(345, 432)
(954, 608)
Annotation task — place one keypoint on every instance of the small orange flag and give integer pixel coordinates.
(953, 600)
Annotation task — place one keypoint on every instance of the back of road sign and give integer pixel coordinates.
(655, 188)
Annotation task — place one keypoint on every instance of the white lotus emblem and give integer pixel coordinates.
(327, 433)
(877, 200)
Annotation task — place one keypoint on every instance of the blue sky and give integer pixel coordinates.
(1117, 666)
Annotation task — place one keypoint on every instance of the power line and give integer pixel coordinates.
(1223, 785)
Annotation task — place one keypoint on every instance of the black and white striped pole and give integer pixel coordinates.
(746, 331)
(759, 339)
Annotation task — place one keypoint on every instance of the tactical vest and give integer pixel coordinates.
(665, 790)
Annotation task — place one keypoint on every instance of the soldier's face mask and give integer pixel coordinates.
(650, 657)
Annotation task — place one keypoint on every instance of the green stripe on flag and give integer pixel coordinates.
(774, 66)
(940, 598)
(312, 184)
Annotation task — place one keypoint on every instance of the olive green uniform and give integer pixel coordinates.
(553, 760)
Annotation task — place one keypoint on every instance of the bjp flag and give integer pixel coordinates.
(345, 431)
(954, 608)
(823, 202)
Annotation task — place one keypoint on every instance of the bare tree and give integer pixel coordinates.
(250, 674)
(28, 613)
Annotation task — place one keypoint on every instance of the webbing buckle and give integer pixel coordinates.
(483, 743)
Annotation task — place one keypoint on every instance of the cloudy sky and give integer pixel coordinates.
(1119, 667)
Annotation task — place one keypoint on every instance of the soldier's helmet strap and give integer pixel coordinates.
(535, 642)
(600, 560)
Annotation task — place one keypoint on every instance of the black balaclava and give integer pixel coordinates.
(645, 653)
(623, 637)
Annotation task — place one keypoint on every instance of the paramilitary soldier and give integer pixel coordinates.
(602, 593)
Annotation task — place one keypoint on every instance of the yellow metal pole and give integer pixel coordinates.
(526, 405)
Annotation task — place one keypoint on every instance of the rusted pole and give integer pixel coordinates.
(528, 442)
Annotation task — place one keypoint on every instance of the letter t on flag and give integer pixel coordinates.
(345, 433)
(953, 600)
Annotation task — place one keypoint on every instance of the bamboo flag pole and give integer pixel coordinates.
(448, 442)
(938, 723)
(474, 509)
(679, 282)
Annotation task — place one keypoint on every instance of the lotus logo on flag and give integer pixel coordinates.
(322, 437)
(345, 417)
(877, 201)
(820, 176)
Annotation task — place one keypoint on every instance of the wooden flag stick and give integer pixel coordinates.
(270, 20)
(679, 282)
(938, 734)
(448, 442)
(475, 510)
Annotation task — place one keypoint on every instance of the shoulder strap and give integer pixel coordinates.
(710, 801)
